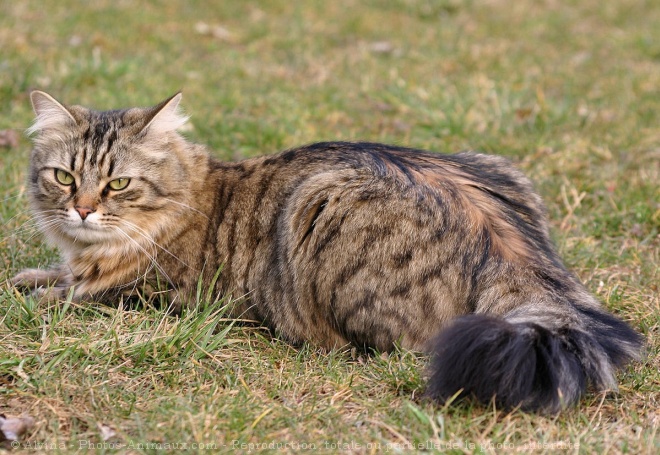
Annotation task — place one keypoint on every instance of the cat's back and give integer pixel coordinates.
(328, 187)
(476, 184)
(406, 167)
(331, 221)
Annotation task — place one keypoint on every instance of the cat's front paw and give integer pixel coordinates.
(37, 278)
(45, 285)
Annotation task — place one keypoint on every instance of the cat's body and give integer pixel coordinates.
(332, 243)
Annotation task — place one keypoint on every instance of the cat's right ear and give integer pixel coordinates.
(51, 114)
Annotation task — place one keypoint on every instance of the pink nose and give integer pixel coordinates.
(84, 211)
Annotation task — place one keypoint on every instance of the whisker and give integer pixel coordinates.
(150, 239)
(26, 212)
(45, 226)
(186, 206)
(9, 198)
(140, 248)
(137, 248)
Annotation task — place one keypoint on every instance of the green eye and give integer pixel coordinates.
(63, 177)
(119, 184)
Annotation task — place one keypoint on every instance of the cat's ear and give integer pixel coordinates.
(51, 114)
(165, 117)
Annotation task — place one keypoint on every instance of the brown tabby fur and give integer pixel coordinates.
(332, 243)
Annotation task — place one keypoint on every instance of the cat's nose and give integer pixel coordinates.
(84, 211)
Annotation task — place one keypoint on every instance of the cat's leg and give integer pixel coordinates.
(144, 295)
(50, 284)
(35, 278)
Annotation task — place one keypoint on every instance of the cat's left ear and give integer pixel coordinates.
(165, 117)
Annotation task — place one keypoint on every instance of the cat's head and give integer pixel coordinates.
(106, 176)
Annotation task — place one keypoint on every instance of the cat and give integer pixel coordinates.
(335, 243)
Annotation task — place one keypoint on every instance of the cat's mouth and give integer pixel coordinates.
(86, 231)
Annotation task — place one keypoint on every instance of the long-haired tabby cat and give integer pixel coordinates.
(333, 243)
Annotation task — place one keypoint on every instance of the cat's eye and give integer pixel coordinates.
(63, 177)
(119, 184)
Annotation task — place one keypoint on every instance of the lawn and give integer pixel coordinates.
(570, 91)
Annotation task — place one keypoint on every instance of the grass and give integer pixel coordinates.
(568, 90)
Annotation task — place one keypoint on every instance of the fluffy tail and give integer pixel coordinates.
(530, 358)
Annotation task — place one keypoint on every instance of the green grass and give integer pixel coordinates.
(568, 90)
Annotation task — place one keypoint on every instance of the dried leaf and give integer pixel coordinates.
(106, 431)
(12, 428)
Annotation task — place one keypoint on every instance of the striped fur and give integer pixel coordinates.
(333, 243)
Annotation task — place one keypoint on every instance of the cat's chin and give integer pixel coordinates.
(86, 234)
